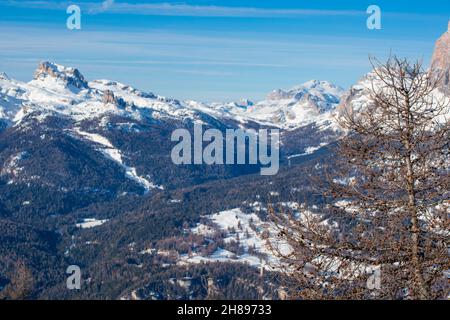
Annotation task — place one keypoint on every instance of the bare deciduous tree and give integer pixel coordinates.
(387, 198)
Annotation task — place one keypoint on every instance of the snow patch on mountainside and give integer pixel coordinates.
(108, 150)
(12, 165)
(308, 151)
(248, 230)
(11, 98)
(91, 223)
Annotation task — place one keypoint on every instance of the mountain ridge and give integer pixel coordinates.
(55, 86)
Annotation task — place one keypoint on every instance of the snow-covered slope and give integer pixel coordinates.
(108, 150)
(12, 98)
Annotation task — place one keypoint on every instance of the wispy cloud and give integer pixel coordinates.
(191, 10)
(169, 9)
(217, 11)
(103, 7)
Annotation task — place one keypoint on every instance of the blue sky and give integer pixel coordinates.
(216, 50)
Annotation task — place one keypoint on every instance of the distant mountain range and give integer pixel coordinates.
(63, 91)
(96, 112)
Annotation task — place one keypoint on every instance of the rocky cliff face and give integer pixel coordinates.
(68, 77)
(109, 97)
(440, 64)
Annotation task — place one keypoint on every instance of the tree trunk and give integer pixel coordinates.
(419, 287)
(418, 282)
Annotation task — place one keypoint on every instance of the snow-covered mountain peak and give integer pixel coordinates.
(54, 76)
(319, 84)
(312, 101)
(322, 89)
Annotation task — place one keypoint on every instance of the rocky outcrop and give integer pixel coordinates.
(440, 64)
(110, 98)
(64, 75)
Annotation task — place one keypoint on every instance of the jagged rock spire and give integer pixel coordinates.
(110, 98)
